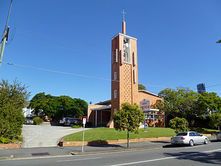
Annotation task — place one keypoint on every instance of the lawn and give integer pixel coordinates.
(112, 134)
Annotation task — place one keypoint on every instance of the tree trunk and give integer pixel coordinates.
(128, 138)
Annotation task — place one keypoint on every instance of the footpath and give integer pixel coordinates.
(77, 150)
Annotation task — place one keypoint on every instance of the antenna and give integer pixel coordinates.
(123, 14)
(123, 22)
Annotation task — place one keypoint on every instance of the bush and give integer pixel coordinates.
(37, 121)
(76, 126)
(13, 97)
(179, 124)
(4, 140)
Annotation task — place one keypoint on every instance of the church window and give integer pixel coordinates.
(115, 76)
(115, 55)
(115, 94)
(126, 50)
(121, 58)
(134, 77)
(134, 60)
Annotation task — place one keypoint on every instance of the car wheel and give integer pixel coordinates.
(191, 143)
(206, 141)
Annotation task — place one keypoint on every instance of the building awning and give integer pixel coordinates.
(105, 107)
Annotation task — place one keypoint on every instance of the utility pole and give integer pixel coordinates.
(5, 34)
(83, 122)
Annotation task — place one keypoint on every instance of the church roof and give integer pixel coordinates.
(150, 93)
(124, 35)
(106, 102)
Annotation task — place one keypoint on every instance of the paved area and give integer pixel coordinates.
(202, 155)
(44, 135)
(61, 151)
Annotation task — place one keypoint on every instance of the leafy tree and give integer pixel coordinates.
(13, 97)
(141, 87)
(215, 120)
(180, 103)
(57, 107)
(43, 103)
(179, 124)
(208, 102)
(82, 107)
(128, 118)
(185, 103)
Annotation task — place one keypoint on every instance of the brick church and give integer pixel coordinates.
(124, 85)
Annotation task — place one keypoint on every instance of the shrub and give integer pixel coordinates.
(13, 98)
(37, 121)
(179, 124)
(4, 140)
(76, 126)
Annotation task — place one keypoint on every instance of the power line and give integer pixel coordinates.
(80, 75)
(57, 71)
(213, 85)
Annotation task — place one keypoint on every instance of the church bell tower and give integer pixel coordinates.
(124, 73)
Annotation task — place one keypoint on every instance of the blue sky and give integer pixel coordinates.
(176, 44)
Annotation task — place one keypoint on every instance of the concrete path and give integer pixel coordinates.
(44, 135)
(62, 151)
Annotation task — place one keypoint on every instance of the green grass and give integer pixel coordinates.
(112, 134)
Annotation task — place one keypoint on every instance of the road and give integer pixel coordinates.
(202, 155)
(44, 135)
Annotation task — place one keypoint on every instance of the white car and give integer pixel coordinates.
(189, 138)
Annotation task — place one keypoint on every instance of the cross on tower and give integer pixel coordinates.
(123, 13)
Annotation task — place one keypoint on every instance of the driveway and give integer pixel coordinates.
(44, 135)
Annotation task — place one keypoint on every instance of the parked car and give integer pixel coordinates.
(218, 136)
(189, 138)
(68, 121)
(29, 120)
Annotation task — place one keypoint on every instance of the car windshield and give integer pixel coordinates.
(181, 134)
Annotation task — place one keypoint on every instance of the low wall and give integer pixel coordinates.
(120, 141)
(10, 146)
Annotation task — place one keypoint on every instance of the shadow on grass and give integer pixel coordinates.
(101, 143)
(208, 158)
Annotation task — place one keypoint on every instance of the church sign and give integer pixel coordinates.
(145, 105)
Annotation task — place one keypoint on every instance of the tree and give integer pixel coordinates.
(43, 103)
(141, 87)
(185, 103)
(179, 124)
(208, 102)
(128, 118)
(57, 107)
(215, 120)
(13, 97)
(180, 103)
